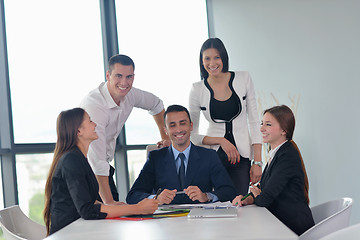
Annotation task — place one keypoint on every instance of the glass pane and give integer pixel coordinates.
(32, 171)
(164, 39)
(55, 59)
(136, 161)
(1, 188)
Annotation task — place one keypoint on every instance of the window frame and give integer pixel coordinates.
(8, 148)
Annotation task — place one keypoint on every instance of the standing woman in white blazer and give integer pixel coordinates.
(227, 100)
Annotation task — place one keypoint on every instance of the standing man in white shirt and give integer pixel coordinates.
(109, 105)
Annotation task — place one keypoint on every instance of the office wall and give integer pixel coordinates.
(305, 54)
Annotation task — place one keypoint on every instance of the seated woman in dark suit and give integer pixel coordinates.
(284, 186)
(71, 188)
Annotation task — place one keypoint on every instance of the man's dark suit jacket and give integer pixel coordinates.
(204, 170)
(282, 190)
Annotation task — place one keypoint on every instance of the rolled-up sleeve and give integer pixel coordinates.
(97, 153)
(146, 100)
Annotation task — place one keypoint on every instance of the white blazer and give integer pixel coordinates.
(199, 100)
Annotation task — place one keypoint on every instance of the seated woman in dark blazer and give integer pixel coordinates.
(71, 188)
(284, 186)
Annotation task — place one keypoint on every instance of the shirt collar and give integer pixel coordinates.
(107, 96)
(186, 152)
(272, 152)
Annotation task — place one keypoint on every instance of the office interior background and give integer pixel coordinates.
(304, 54)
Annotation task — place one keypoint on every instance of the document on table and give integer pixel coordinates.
(159, 213)
(215, 205)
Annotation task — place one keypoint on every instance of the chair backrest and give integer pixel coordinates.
(16, 225)
(349, 233)
(329, 217)
(149, 148)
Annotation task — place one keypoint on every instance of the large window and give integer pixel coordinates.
(32, 171)
(1, 189)
(163, 38)
(55, 59)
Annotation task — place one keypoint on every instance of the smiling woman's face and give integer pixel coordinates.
(212, 61)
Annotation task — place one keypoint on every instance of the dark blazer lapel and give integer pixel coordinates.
(264, 176)
(169, 161)
(268, 169)
(267, 172)
(170, 169)
(193, 165)
(272, 163)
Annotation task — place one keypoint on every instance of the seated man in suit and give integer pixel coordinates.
(183, 172)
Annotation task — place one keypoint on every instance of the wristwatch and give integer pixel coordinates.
(209, 196)
(260, 163)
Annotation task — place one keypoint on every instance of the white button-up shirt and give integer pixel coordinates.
(110, 118)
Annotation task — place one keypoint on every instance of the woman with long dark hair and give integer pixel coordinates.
(71, 187)
(284, 185)
(228, 103)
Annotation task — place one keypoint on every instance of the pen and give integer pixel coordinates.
(244, 197)
(157, 193)
(249, 194)
(180, 192)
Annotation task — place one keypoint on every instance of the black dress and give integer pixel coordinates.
(73, 192)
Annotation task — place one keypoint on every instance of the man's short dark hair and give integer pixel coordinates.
(176, 108)
(122, 59)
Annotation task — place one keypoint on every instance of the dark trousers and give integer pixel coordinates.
(238, 172)
(112, 185)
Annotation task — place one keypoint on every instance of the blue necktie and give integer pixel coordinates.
(182, 171)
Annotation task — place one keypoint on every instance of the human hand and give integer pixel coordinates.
(255, 173)
(147, 206)
(195, 193)
(163, 143)
(166, 196)
(230, 150)
(255, 190)
(247, 201)
(237, 201)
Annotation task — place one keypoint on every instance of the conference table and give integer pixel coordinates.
(252, 222)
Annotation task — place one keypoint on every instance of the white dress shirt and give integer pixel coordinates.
(110, 118)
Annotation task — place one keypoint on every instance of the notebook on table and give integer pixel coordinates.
(212, 213)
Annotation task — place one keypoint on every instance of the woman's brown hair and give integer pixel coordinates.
(68, 123)
(286, 119)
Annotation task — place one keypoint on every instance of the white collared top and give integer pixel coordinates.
(110, 118)
(272, 152)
